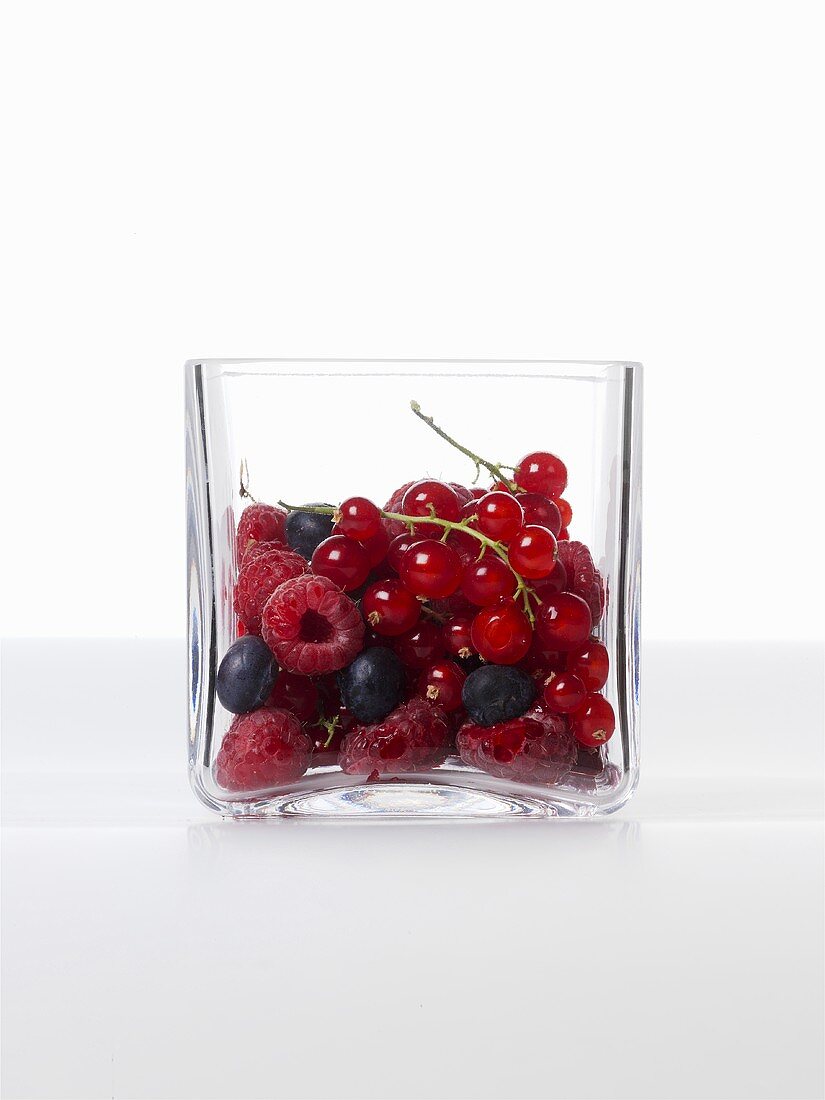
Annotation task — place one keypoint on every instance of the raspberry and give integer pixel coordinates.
(395, 527)
(536, 748)
(260, 523)
(312, 626)
(257, 549)
(258, 579)
(415, 736)
(583, 578)
(262, 749)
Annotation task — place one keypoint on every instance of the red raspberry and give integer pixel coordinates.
(261, 523)
(262, 749)
(414, 737)
(258, 579)
(256, 549)
(583, 578)
(395, 527)
(312, 626)
(536, 748)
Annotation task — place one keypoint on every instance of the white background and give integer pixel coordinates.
(597, 180)
(433, 179)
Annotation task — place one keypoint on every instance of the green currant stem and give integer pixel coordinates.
(495, 470)
(523, 590)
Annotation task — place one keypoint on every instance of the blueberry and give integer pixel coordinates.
(371, 685)
(246, 675)
(497, 693)
(305, 530)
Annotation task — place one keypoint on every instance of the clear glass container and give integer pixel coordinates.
(299, 431)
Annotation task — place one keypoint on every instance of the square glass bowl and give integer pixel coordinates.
(300, 431)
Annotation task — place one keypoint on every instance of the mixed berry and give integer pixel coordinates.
(454, 622)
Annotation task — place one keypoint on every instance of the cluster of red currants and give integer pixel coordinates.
(485, 570)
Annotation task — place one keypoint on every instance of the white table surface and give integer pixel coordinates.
(153, 950)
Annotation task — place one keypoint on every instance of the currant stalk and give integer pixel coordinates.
(496, 469)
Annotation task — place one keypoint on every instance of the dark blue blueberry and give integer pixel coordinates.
(371, 685)
(497, 693)
(305, 530)
(246, 675)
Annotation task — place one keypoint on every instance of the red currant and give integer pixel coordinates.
(461, 491)
(441, 683)
(499, 516)
(563, 621)
(501, 634)
(456, 633)
(399, 547)
(533, 552)
(477, 494)
(240, 630)
(342, 560)
(296, 694)
(541, 658)
(540, 472)
(563, 535)
(377, 546)
(591, 664)
(500, 487)
(565, 511)
(555, 581)
(424, 497)
(594, 722)
(487, 581)
(540, 510)
(564, 692)
(389, 608)
(360, 519)
(420, 646)
(431, 569)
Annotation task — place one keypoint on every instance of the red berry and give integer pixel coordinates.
(533, 552)
(461, 491)
(477, 494)
(563, 621)
(240, 630)
(487, 581)
(297, 694)
(583, 578)
(563, 535)
(441, 683)
(536, 748)
(501, 634)
(541, 659)
(360, 519)
(414, 737)
(263, 749)
(431, 569)
(258, 549)
(258, 579)
(591, 664)
(456, 634)
(424, 496)
(342, 560)
(555, 581)
(312, 626)
(564, 692)
(565, 511)
(540, 510)
(500, 487)
(260, 523)
(376, 547)
(390, 608)
(541, 472)
(399, 547)
(420, 646)
(499, 516)
(594, 722)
